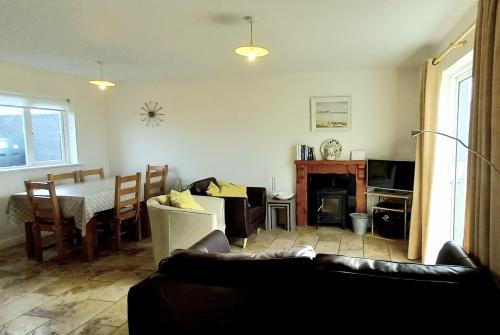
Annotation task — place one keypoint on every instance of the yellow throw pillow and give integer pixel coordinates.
(184, 200)
(212, 189)
(231, 190)
(164, 200)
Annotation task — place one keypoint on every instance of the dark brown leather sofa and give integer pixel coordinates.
(243, 216)
(205, 289)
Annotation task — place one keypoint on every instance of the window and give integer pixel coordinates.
(453, 119)
(463, 97)
(34, 132)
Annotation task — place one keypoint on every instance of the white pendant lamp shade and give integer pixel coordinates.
(103, 84)
(251, 51)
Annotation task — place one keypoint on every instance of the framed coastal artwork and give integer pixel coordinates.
(330, 113)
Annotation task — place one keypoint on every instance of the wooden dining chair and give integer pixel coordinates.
(156, 175)
(127, 205)
(63, 176)
(47, 217)
(92, 172)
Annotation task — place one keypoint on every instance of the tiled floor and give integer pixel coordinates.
(329, 240)
(91, 298)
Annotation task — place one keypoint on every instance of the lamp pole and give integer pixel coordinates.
(418, 132)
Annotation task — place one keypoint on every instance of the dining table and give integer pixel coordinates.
(80, 201)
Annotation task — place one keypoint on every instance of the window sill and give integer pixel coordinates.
(26, 168)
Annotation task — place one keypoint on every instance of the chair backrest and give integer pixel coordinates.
(92, 172)
(43, 200)
(127, 195)
(62, 176)
(155, 187)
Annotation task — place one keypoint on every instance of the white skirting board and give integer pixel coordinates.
(12, 241)
(16, 240)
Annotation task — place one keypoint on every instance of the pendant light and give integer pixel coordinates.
(103, 84)
(251, 51)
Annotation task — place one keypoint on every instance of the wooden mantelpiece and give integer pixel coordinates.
(304, 168)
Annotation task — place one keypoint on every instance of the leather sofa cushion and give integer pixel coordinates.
(452, 274)
(229, 269)
(199, 187)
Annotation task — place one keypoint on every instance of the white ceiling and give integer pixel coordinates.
(153, 39)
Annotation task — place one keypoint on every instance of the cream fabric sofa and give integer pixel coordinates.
(176, 228)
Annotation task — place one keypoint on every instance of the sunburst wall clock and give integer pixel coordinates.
(151, 113)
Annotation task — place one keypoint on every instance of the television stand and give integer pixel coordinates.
(399, 204)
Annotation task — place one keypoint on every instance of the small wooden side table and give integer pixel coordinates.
(288, 205)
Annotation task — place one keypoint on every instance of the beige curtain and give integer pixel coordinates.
(482, 235)
(431, 82)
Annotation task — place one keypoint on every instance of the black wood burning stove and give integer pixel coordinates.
(332, 206)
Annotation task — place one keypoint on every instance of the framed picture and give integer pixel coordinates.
(329, 113)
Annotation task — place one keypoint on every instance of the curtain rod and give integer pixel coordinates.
(459, 42)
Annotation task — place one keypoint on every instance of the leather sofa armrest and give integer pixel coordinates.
(237, 216)
(236, 204)
(256, 196)
(216, 241)
(452, 254)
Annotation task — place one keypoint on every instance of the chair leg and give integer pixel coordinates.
(78, 237)
(37, 242)
(94, 233)
(138, 229)
(145, 225)
(118, 233)
(245, 243)
(30, 244)
(60, 245)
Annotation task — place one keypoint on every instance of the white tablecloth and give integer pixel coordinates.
(81, 200)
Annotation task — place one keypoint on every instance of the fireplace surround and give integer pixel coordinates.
(305, 168)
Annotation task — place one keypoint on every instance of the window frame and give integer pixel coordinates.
(464, 74)
(26, 104)
(449, 102)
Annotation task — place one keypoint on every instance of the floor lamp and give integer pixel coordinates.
(415, 133)
(419, 132)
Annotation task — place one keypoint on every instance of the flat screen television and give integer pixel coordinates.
(390, 175)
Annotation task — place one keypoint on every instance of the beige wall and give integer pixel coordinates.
(245, 129)
(87, 103)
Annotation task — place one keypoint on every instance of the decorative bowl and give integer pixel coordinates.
(283, 195)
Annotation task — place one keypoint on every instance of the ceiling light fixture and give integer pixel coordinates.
(103, 84)
(251, 51)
